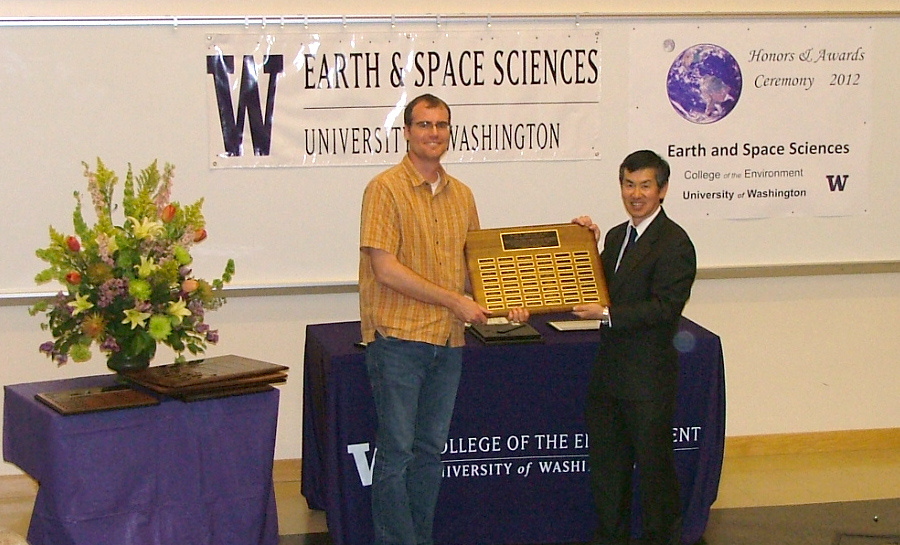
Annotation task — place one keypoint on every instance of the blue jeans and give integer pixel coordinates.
(414, 385)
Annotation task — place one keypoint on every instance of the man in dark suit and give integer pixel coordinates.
(631, 394)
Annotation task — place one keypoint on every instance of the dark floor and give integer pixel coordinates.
(874, 522)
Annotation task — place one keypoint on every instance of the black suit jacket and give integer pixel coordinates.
(638, 359)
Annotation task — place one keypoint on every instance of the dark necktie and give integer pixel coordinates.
(632, 236)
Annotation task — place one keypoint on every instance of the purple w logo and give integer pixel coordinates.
(837, 181)
(248, 106)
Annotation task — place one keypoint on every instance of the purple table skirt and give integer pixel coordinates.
(177, 473)
(524, 478)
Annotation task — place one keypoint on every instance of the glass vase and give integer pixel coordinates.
(130, 360)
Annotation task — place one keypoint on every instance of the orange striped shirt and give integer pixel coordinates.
(427, 233)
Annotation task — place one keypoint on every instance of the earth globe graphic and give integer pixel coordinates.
(704, 83)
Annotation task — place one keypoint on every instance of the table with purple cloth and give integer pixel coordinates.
(515, 465)
(176, 473)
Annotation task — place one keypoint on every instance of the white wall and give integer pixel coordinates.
(802, 354)
(805, 354)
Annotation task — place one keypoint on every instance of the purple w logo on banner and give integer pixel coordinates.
(248, 106)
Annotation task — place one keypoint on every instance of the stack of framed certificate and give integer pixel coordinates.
(210, 377)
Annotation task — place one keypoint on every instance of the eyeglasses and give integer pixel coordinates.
(428, 125)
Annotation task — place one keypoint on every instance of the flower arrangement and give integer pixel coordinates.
(128, 286)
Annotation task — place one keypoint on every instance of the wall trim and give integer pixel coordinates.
(290, 469)
(287, 470)
(13, 487)
(812, 442)
(289, 19)
(351, 285)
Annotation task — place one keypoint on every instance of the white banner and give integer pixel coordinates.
(759, 119)
(313, 99)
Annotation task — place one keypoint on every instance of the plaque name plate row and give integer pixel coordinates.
(544, 268)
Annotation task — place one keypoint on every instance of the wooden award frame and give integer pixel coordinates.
(544, 268)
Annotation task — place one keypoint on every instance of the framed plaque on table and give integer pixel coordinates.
(208, 378)
(98, 398)
(544, 268)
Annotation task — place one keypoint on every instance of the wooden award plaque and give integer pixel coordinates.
(544, 268)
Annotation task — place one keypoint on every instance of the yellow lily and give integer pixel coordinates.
(178, 309)
(136, 318)
(145, 228)
(147, 267)
(80, 304)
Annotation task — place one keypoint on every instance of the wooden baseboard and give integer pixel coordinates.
(288, 470)
(802, 443)
(744, 445)
(17, 486)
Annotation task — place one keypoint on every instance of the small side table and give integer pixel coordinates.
(176, 473)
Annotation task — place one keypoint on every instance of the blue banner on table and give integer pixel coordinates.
(517, 446)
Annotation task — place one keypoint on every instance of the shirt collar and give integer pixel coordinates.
(646, 223)
(419, 180)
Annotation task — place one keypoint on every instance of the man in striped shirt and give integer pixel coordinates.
(413, 310)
